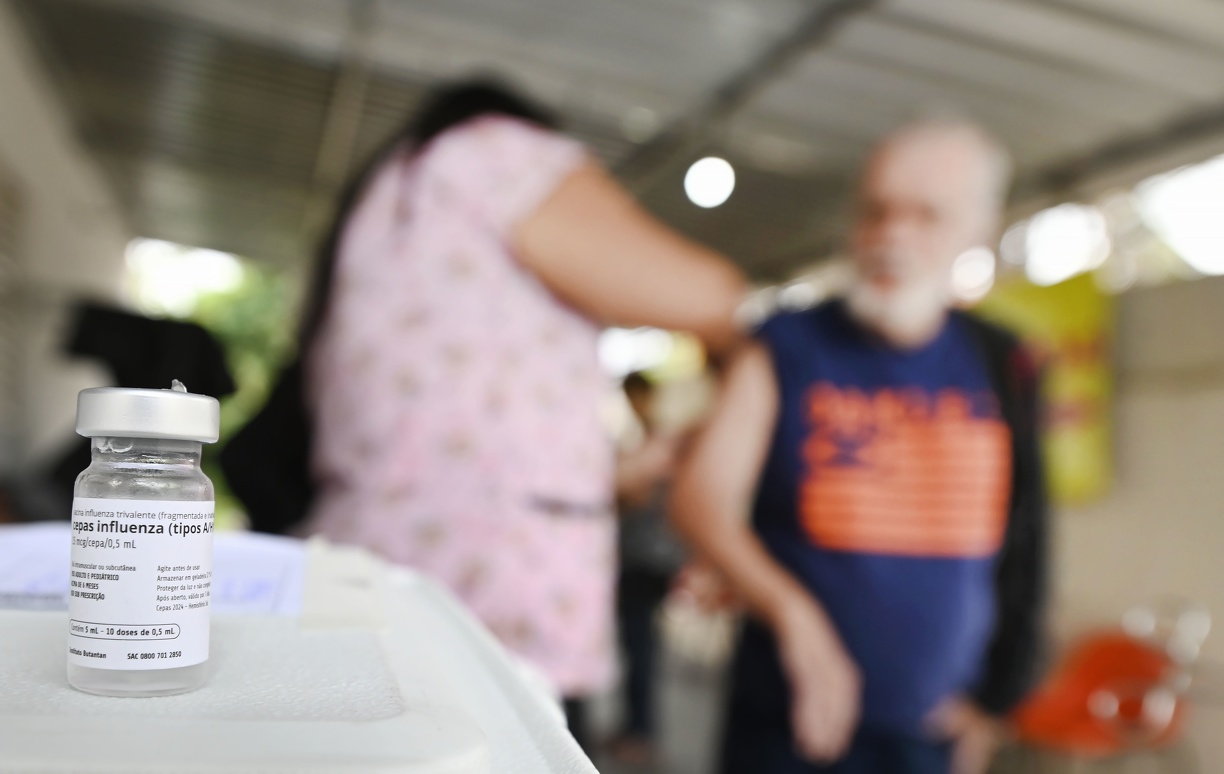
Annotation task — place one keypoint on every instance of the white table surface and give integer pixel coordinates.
(325, 659)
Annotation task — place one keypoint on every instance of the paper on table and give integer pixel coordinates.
(34, 567)
(252, 574)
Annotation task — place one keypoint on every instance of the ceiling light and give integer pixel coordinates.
(1183, 207)
(709, 182)
(1064, 241)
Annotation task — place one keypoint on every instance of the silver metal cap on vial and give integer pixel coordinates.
(129, 413)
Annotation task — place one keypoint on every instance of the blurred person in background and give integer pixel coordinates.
(650, 557)
(452, 372)
(870, 484)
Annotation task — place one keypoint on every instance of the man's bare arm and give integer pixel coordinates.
(710, 505)
(713, 491)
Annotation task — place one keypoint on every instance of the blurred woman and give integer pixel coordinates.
(452, 369)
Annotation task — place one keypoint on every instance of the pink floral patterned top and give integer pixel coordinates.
(456, 399)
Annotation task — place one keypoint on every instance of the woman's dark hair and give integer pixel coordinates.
(443, 108)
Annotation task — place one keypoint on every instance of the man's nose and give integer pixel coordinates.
(896, 230)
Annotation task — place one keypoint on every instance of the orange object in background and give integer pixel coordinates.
(1112, 694)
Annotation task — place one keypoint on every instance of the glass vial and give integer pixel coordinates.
(141, 559)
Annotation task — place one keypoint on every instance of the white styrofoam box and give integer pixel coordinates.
(381, 671)
(280, 699)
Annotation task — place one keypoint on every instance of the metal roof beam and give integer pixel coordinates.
(640, 168)
(1135, 152)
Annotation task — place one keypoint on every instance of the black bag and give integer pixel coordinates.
(1017, 647)
(267, 463)
(140, 352)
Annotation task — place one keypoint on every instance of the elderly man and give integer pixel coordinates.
(885, 447)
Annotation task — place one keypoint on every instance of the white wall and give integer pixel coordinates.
(1161, 530)
(72, 236)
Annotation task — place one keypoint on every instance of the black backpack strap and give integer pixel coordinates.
(1020, 576)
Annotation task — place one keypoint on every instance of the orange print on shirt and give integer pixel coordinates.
(904, 472)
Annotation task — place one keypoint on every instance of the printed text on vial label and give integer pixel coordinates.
(141, 583)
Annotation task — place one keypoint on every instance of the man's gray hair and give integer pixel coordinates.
(997, 161)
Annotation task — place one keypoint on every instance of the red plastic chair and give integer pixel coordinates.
(1112, 694)
(1119, 694)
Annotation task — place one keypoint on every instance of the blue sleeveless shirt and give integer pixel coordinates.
(886, 494)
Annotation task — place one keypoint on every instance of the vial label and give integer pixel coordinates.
(141, 583)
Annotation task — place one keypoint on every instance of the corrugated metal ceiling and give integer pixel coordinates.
(212, 119)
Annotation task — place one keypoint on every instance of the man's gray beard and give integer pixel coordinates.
(908, 315)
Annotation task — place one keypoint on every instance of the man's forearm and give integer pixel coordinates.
(724, 539)
(710, 506)
(714, 490)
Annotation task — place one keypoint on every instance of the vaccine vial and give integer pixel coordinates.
(142, 533)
